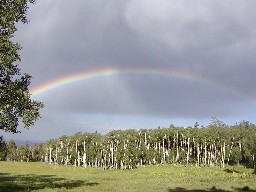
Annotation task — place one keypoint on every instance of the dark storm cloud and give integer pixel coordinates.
(145, 96)
(214, 39)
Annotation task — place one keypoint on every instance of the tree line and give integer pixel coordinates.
(215, 145)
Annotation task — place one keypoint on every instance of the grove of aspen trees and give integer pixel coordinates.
(215, 145)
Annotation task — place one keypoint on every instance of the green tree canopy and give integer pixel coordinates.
(15, 100)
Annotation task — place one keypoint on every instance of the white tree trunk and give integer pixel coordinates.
(50, 158)
(177, 148)
(188, 146)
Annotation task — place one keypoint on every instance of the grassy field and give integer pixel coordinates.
(170, 178)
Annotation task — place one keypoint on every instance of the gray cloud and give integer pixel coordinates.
(211, 39)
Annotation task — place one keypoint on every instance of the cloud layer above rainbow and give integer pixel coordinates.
(89, 75)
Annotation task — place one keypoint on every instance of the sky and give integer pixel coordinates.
(142, 64)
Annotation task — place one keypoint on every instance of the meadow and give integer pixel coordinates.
(15, 176)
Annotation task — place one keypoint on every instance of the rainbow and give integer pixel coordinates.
(88, 75)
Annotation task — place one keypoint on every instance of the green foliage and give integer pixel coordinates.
(23, 153)
(12, 151)
(37, 153)
(3, 149)
(15, 101)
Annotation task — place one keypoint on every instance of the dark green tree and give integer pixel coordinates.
(37, 153)
(236, 155)
(3, 149)
(196, 125)
(15, 100)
